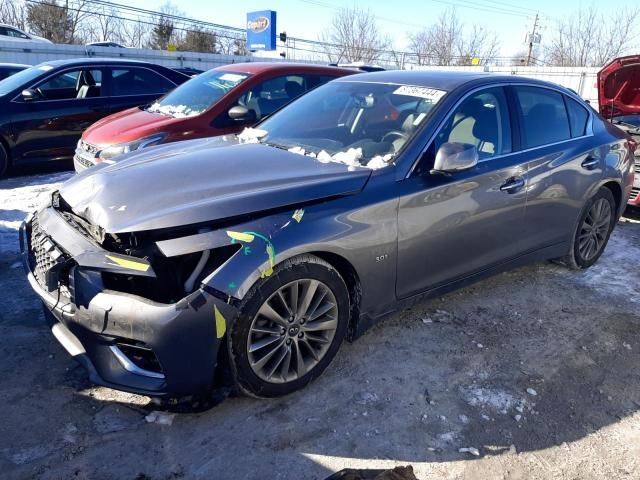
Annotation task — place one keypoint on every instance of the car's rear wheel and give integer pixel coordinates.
(593, 230)
(290, 327)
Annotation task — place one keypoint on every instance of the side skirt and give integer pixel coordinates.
(366, 321)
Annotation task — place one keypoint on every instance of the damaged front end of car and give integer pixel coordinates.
(138, 320)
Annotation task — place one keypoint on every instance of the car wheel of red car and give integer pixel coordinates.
(290, 327)
(592, 233)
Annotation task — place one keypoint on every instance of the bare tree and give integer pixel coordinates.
(589, 37)
(13, 12)
(232, 44)
(353, 36)
(135, 33)
(446, 42)
(165, 31)
(480, 43)
(49, 20)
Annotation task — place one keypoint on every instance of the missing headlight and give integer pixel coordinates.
(172, 274)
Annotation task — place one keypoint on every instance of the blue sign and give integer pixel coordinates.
(261, 30)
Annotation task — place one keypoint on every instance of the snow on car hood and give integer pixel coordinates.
(619, 87)
(202, 180)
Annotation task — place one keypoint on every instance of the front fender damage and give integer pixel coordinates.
(264, 243)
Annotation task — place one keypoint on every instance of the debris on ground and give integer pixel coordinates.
(397, 473)
(471, 450)
(161, 418)
(365, 398)
(532, 392)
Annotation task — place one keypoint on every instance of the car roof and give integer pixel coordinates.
(22, 65)
(260, 67)
(446, 80)
(97, 61)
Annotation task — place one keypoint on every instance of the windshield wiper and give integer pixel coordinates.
(276, 145)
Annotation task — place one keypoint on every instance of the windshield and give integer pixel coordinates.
(198, 94)
(22, 79)
(351, 122)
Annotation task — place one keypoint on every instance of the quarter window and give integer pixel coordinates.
(544, 116)
(138, 81)
(578, 117)
(481, 120)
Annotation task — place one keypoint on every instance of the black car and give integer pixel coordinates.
(261, 252)
(8, 69)
(47, 107)
(192, 72)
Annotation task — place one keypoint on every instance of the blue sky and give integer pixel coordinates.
(308, 18)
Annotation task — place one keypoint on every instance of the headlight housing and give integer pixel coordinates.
(122, 148)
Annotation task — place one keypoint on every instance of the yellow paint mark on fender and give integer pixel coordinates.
(221, 323)
(130, 264)
(240, 236)
(297, 215)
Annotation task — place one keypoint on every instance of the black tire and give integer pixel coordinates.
(575, 259)
(302, 268)
(4, 161)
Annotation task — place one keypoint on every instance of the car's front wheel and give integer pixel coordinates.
(593, 230)
(290, 327)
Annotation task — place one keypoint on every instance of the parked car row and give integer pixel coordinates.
(176, 256)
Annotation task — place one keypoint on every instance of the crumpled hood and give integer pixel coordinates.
(126, 126)
(202, 180)
(619, 87)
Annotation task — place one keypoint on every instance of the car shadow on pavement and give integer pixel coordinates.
(539, 360)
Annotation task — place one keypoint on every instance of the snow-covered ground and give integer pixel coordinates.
(535, 370)
(20, 196)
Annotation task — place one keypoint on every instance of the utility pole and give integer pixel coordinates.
(532, 37)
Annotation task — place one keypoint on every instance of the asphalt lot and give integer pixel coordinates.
(537, 369)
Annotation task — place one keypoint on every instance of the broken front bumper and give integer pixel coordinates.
(125, 341)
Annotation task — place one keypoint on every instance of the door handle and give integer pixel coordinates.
(513, 185)
(590, 163)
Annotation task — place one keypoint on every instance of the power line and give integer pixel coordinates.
(512, 10)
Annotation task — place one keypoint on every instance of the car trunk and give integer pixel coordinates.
(619, 87)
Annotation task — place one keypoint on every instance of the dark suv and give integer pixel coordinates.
(47, 107)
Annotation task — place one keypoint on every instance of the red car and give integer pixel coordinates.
(219, 101)
(619, 101)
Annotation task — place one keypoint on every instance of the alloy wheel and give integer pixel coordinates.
(594, 229)
(292, 331)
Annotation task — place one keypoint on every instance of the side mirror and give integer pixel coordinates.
(455, 157)
(242, 114)
(28, 95)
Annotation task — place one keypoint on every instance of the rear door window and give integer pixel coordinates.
(544, 116)
(578, 118)
(138, 81)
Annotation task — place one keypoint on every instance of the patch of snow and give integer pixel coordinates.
(251, 135)
(610, 274)
(379, 161)
(472, 450)
(20, 196)
(498, 400)
(161, 418)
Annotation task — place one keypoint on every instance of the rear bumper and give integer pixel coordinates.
(100, 328)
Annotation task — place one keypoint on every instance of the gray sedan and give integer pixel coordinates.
(258, 254)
